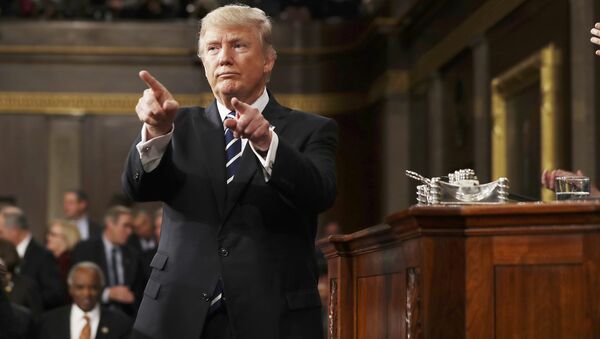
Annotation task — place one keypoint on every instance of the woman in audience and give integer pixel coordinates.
(62, 236)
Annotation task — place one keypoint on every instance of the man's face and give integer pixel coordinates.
(235, 62)
(143, 226)
(85, 288)
(73, 208)
(118, 232)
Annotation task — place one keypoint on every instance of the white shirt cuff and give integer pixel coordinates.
(105, 293)
(268, 161)
(151, 151)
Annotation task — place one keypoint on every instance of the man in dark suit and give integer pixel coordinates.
(118, 262)
(37, 262)
(75, 208)
(241, 197)
(143, 239)
(85, 319)
(16, 322)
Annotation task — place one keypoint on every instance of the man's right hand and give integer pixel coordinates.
(156, 108)
(121, 294)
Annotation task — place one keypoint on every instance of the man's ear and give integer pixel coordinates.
(270, 57)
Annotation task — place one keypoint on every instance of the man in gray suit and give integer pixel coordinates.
(242, 182)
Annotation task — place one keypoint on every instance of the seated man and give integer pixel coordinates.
(118, 261)
(85, 318)
(37, 262)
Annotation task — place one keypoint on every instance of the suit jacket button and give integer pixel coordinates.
(223, 252)
(206, 297)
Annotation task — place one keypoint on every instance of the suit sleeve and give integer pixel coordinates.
(306, 175)
(158, 185)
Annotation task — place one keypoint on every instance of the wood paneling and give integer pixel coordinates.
(106, 143)
(24, 166)
(381, 311)
(463, 272)
(540, 302)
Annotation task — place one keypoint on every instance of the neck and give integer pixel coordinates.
(22, 235)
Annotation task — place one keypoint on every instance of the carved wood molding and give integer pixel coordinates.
(413, 303)
(333, 312)
(63, 103)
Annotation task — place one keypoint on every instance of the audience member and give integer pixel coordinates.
(85, 319)
(119, 263)
(143, 239)
(62, 236)
(20, 290)
(16, 321)
(37, 262)
(75, 208)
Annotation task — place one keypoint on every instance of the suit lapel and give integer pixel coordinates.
(103, 330)
(211, 139)
(64, 325)
(249, 165)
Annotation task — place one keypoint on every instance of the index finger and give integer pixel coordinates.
(240, 106)
(151, 82)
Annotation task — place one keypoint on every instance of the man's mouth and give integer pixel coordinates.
(226, 74)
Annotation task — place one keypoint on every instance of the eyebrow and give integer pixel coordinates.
(233, 39)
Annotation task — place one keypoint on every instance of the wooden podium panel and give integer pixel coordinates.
(529, 270)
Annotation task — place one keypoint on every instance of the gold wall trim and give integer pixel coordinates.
(95, 50)
(545, 67)
(488, 15)
(61, 103)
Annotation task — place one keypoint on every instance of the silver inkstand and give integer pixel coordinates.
(460, 187)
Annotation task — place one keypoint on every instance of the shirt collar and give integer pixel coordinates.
(107, 244)
(22, 246)
(78, 313)
(259, 104)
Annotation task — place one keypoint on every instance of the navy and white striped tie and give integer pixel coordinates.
(233, 151)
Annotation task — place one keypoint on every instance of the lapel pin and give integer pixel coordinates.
(104, 330)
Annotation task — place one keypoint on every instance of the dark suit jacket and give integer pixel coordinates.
(113, 324)
(39, 264)
(93, 250)
(25, 292)
(257, 236)
(95, 229)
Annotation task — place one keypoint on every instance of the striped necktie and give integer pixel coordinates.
(233, 151)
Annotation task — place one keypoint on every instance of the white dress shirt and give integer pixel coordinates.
(78, 322)
(151, 151)
(83, 225)
(22, 246)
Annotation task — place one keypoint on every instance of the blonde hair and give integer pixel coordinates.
(70, 233)
(238, 15)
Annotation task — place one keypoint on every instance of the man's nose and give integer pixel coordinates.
(225, 56)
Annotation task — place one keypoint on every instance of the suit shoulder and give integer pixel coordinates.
(56, 314)
(116, 319)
